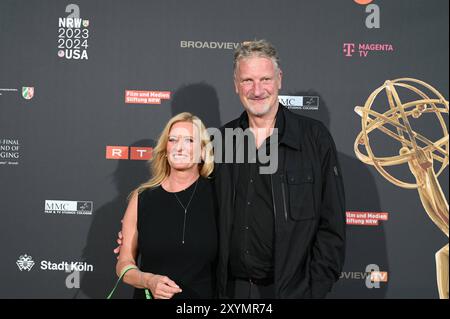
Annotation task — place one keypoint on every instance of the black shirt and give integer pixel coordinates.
(252, 238)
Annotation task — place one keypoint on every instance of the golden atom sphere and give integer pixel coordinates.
(395, 123)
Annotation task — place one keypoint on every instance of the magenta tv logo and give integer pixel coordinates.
(349, 49)
(363, 49)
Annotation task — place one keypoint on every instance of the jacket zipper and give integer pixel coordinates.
(273, 198)
(284, 197)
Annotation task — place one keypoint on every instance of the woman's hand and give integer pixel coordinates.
(162, 287)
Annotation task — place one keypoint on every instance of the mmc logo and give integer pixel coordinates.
(69, 207)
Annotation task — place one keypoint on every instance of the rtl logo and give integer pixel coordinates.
(129, 153)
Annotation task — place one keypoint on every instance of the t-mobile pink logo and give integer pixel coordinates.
(349, 49)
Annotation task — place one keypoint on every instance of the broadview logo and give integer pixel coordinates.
(190, 44)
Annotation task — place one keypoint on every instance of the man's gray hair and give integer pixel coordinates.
(259, 48)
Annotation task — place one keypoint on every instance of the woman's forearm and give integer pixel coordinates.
(134, 277)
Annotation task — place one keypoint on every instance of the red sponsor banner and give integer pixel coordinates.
(141, 153)
(366, 218)
(145, 97)
(117, 152)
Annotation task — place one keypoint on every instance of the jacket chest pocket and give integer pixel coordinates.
(301, 194)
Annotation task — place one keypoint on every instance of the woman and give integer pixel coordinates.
(170, 219)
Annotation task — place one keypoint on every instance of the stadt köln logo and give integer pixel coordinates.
(25, 262)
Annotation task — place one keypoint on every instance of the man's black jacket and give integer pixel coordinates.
(308, 207)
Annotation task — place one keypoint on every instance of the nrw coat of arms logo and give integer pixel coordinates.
(25, 262)
(27, 92)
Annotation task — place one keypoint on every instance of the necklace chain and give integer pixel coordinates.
(186, 208)
(192, 195)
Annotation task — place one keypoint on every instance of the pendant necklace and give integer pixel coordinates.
(186, 208)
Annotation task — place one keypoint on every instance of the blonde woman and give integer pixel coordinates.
(170, 220)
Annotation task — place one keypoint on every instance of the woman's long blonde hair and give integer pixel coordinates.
(160, 168)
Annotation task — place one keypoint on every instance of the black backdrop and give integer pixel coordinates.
(60, 109)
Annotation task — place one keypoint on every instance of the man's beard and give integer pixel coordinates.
(261, 110)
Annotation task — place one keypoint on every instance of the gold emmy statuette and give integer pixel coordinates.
(415, 149)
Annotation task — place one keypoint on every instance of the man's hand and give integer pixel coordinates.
(119, 241)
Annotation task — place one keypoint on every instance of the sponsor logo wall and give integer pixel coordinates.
(86, 90)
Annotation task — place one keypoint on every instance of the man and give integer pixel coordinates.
(282, 234)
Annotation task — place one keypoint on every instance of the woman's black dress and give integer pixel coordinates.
(161, 223)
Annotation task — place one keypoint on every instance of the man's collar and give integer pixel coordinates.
(288, 127)
(279, 122)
